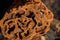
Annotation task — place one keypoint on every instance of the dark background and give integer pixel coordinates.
(4, 5)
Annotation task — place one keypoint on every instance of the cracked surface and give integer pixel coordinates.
(25, 21)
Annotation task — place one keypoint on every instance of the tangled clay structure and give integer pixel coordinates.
(24, 22)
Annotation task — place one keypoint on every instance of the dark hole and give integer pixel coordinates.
(40, 24)
(42, 12)
(34, 22)
(23, 24)
(11, 29)
(47, 23)
(26, 34)
(20, 28)
(26, 8)
(5, 20)
(20, 35)
(19, 21)
(48, 11)
(31, 15)
(28, 23)
(10, 22)
(18, 15)
(25, 20)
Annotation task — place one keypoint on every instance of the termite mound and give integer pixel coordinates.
(21, 22)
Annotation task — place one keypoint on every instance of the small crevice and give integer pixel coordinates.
(42, 12)
(10, 22)
(34, 22)
(5, 21)
(28, 24)
(31, 15)
(15, 35)
(26, 34)
(20, 36)
(18, 15)
(11, 29)
(40, 24)
(20, 28)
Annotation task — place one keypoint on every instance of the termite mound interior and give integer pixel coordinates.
(24, 21)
